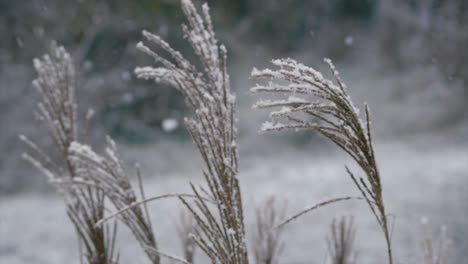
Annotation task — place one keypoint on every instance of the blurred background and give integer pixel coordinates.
(407, 58)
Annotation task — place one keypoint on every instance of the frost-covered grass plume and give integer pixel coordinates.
(213, 128)
(326, 108)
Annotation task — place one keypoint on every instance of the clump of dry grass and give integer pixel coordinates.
(57, 111)
(267, 238)
(326, 108)
(107, 174)
(213, 129)
(94, 178)
(89, 181)
(341, 241)
(436, 246)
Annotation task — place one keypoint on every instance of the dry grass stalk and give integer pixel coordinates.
(145, 201)
(172, 258)
(267, 242)
(436, 247)
(341, 241)
(213, 129)
(57, 111)
(334, 116)
(315, 207)
(187, 229)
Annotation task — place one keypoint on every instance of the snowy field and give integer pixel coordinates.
(425, 180)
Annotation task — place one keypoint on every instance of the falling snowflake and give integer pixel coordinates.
(169, 124)
(349, 40)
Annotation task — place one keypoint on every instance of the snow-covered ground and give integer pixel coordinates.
(424, 177)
